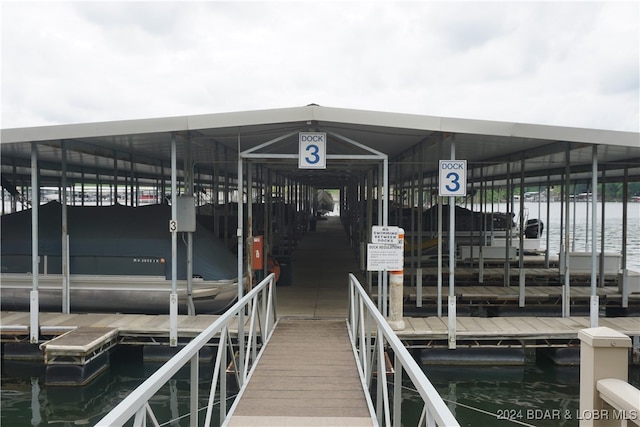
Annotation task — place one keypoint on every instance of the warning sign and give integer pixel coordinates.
(385, 234)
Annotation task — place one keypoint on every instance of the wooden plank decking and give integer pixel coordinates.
(13, 324)
(529, 327)
(307, 376)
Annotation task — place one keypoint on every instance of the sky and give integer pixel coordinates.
(558, 63)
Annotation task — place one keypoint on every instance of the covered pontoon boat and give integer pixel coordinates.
(119, 261)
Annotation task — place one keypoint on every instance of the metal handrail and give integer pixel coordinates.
(260, 303)
(371, 336)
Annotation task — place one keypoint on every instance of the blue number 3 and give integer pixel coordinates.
(314, 153)
(454, 178)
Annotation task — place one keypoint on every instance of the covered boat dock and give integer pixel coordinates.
(250, 174)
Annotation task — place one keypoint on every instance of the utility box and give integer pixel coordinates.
(257, 253)
(186, 213)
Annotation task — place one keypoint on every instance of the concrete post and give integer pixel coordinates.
(603, 354)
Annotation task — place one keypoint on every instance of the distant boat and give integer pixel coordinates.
(323, 202)
(119, 258)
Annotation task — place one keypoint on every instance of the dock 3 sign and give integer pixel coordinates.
(453, 178)
(312, 153)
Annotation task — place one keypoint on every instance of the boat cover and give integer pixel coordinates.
(118, 234)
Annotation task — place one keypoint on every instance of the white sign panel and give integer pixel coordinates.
(385, 234)
(382, 257)
(453, 178)
(312, 152)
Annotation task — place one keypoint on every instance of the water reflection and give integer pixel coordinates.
(538, 394)
(27, 401)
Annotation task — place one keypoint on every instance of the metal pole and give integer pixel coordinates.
(189, 166)
(385, 221)
(173, 298)
(380, 222)
(566, 296)
(440, 227)
(66, 301)
(34, 303)
(521, 277)
(439, 296)
(623, 265)
(593, 312)
(239, 234)
(483, 226)
(509, 228)
(603, 217)
(547, 244)
(451, 313)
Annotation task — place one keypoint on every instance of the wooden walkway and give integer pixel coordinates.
(518, 328)
(14, 326)
(131, 328)
(307, 376)
(533, 294)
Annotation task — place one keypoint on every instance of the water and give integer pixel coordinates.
(580, 234)
(476, 395)
(538, 394)
(27, 401)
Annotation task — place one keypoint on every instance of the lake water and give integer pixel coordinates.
(580, 235)
(476, 395)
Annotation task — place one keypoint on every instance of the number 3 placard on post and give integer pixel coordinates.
(453, 178)
(312, 153)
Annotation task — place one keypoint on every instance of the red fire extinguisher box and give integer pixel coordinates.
(257, 256)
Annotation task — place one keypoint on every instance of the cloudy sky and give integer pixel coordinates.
(561, 63)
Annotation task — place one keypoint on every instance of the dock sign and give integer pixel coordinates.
(312, 152)
(381, 257)
(453, 178)
(385, 252)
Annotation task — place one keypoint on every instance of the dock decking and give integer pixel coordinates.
(133, 328)
(306, 376)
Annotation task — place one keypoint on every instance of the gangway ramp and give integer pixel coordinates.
(306, 376)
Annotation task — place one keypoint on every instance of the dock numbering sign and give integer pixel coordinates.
(453, 178)
(312, 153)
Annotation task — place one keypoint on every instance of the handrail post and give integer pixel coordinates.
(603, 354)
(193, 403)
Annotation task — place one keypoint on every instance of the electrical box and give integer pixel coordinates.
(257, 258)
(186, 213)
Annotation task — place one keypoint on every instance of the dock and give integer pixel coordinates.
(130, 331)
(321, 263)
(306, 377)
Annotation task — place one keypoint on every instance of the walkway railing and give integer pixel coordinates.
(261, 308)
(371, 336)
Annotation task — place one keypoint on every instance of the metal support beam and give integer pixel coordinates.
(451, 313)
(173, 298)
(566, 290)
(593, 307)
(34, 304)
(66, 299)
